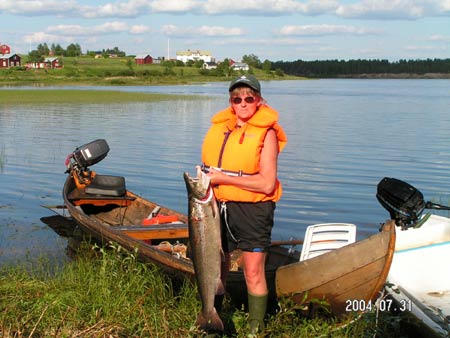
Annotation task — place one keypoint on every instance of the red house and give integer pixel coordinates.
(52, 62)
(5, 49)
(10, 60)
(143, 59)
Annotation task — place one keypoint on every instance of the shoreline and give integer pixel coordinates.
(404, 76)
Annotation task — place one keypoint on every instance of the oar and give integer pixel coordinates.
(60, 210)
(292, 242)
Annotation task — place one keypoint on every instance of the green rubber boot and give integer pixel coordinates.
(257, 306)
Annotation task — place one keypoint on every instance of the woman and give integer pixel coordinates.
(240, 154)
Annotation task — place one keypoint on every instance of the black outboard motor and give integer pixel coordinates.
(90, 182)
(84, 156)
(91, 153)
(404, 202)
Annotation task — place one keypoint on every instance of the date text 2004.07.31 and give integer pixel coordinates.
(358, 305)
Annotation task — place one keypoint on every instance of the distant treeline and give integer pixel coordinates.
(336, 68)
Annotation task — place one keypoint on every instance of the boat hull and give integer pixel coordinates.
(353, 274)
(419, 278)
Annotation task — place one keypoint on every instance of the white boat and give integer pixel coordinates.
(419, 277)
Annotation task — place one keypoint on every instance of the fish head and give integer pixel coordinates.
(198, 187)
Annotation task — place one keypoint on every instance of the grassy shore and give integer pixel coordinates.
(108, 293)
(117, 71)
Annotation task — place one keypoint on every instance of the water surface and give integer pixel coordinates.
(344, 137)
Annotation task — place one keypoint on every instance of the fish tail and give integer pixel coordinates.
(210, 321)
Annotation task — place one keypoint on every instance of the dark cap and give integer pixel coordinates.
(245, 81)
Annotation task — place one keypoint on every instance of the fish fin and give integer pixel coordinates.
(210, 321)
(220, 288)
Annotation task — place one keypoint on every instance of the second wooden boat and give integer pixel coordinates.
(348, 279)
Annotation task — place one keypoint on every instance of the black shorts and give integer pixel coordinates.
(247, 226)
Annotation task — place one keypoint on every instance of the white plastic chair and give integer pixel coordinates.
(322, 238)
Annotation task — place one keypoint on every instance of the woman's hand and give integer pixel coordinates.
(216, 176)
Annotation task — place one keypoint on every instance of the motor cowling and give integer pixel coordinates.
(404, 202)
(90, 153)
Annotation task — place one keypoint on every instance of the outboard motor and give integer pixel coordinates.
(91, 153)
(89, 181)
(84, 156)
(404, 202)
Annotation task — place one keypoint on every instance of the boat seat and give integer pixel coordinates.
(322, 238)
(156, 231)
(107, 185)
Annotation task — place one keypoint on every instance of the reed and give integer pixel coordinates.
(2, 158)
(106, 292)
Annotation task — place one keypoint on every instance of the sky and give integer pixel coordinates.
(274, 30)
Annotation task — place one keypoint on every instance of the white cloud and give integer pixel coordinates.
(380, 9)
(202, 31)
(394, 9)
(324, 29)
(38, 7)
(103, 29)
(42, 37)
(139, 29)
(419, 48)
(174, 6)
(131, 8)
(268, 7)
(439, 38)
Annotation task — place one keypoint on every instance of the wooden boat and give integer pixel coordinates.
(419, 279)
(349, 278)
(103, 208)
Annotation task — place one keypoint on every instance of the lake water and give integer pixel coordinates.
(344, 137)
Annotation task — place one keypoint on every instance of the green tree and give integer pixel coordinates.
(252, 60)
(73, 50)
(267, 66)
(115, 51)
(130, 64)
(43, 49)
(224, 68)
(35, 57)
(57, 50)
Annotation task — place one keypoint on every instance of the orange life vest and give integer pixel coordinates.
(238, 150)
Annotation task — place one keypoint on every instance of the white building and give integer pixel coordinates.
(240, 66)
(191, 55)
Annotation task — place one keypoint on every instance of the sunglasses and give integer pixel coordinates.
(248, 99)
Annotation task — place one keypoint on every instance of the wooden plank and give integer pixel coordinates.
(123, 202)
(157, 231)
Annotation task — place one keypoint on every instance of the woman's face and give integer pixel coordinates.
(245, 102)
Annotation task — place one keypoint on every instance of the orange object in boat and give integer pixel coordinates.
(161, 219)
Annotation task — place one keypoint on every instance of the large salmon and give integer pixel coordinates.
(206, 247)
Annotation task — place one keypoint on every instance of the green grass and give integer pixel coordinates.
(86, 70)
(81, 96)
(108, 293)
